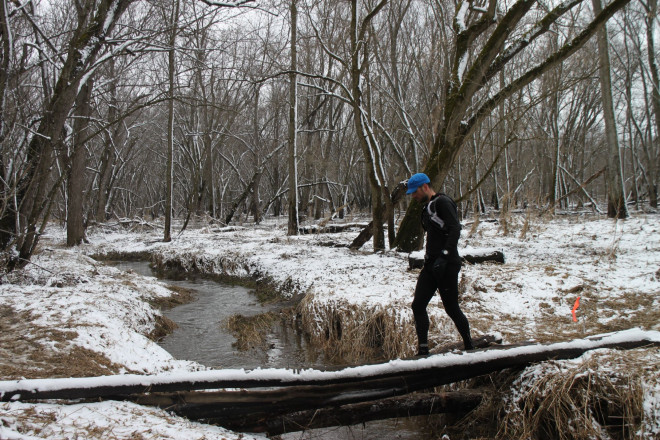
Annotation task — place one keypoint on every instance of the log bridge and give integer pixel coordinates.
(275, 401)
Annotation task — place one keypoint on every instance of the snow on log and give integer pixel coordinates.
(332, 228)
(402, 375)
(474, 256)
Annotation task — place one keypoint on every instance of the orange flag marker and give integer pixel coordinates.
(575, 306)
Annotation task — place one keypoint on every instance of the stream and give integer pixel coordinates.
(202, 337)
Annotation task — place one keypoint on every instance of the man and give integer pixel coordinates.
(441, 262)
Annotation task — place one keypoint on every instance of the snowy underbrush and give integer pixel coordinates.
(604, 394)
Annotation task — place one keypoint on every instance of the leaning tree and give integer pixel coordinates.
(35, 190)
(486, 40)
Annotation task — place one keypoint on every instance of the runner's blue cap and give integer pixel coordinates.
(416, 181)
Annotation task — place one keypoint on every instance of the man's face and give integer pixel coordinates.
(420, 194)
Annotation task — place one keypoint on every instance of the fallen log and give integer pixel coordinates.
(399, 407)
(416, 259)
(329, 228)
(261, 411)
(239, 403)
(397, 376)
(490, 256)
(230, 408)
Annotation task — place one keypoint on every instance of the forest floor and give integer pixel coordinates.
(69, 315)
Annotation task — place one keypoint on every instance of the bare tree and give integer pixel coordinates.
(653, 163)
(460, 115)
(292, 228)
(76, 163)
(363, 120)
(616, 194)
(169, 171)
(34, 194)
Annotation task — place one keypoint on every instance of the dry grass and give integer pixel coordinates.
(122, 256)
(601, 397)
(180, 296)
(595, 315)
(162, 327)
(250, 331)
(30, 351)
(352, 334)
(183, 266)
(526, 225)
(598, 398)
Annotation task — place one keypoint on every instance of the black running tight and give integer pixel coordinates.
(446, 281)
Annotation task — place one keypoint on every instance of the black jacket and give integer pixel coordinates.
(443, 231)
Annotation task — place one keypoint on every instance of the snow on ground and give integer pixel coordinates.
(104, 420)
(67, 304)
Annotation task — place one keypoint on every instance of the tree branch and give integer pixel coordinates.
(562, 54)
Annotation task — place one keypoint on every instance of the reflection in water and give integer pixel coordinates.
(202, 337)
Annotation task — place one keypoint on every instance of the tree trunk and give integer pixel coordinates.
(363, 128)
(75, 229)
(616, 194)
(254, 197)
(169, 172)
(207, 195)
(208, 116)
(553, 128)
(653, 165)
(292, 226)
(411, 234)
(7, 211)
(106, 158)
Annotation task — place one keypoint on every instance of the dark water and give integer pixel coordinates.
(202, 337)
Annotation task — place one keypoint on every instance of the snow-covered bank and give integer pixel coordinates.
(67, 304)
(103, 309)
